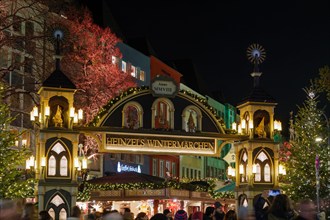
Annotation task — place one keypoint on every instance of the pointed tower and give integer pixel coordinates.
(57, 141)
(256, 158)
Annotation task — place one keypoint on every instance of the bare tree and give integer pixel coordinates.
(25, 52)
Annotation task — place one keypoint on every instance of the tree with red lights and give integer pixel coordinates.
(90, 66)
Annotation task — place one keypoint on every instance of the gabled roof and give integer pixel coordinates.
(127, 177)
(258, 94)
(58, 80)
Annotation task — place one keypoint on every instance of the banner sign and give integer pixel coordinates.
(158, 144)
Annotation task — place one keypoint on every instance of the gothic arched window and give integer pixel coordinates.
(263, 164)
(58, 164)
(191, 119)
(163, 114)
(132, 115)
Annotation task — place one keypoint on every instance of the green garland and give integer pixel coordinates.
(87, 188)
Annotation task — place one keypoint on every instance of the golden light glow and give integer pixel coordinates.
(250, 124)
(43, 162)
(72, 112)
(75, 118)
(254, 168)
(35, 111)
(32, 116)
(243, 125)
(32, 162)
(47, 111)
(241, 169)
(80, 114)
(281, 170)
(84, 164)
(233, 126)
(27, 164)
(277, 125)
(76, 162)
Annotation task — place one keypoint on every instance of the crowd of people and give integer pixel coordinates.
(276, 208)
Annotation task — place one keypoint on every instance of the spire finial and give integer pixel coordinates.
(57, 35)
(256, 54)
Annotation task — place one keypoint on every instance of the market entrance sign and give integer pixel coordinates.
(158, 144)
(163, 86)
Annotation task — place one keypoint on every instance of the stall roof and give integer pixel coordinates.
(227, 188)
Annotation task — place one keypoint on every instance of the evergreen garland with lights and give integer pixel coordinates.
(84, 194)
(309, 124)
(13, 180)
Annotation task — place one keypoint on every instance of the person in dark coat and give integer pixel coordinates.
(281, 209)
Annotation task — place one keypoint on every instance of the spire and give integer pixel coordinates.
(256, 55)
(58, 35)
(58, 79)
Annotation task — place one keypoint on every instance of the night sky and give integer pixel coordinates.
(215, 36)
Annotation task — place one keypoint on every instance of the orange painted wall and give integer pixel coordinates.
(157, 67)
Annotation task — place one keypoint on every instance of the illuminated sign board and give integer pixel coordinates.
(149, 144)
(127, 168)
(163, 86)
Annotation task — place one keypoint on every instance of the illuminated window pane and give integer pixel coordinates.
(51, 213)
(267, 173)
(123, 66)
(63, 214)
(57, 200)
(244, 158)
(262, 156)
(51, 166)
(133, 71)
(161, 168)
(58, 148)
(245, 203)
(142, 75)
(258, 174)
(64, 166)
(114, 60)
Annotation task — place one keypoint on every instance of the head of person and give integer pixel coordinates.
(197, 216)
(181, 215)
(307, 209)
(8, 209)
(128, 216)
(159, 216)
(91, 216)
(167, 212)
(209, 211)
(113, 216)
(141, 216)
(280, 204)
(230, 215)
(76, 212)
(44, 215)
(218, 206)
(29, 210)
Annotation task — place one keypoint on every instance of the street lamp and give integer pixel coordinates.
(317, 164)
